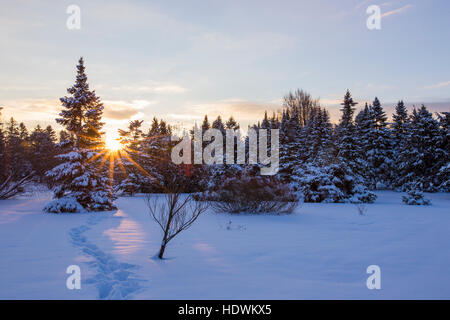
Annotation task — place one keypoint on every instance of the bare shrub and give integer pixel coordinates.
(361, 207)
(174, 213)
(253, 194)
(9, 188)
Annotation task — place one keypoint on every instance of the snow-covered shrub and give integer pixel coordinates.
(253, 194)
(362, 195)
(381, 186)
(444, 177)
(415, 197)
(66, 204)
(129, 186)
(331, 183)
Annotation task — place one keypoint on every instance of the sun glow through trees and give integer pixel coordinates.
(113, 143)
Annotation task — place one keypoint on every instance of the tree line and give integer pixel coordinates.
(319, 160)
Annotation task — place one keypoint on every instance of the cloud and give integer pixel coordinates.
(359, 5)
(31, 107)
(231, 106)
(396, 11)
(149, 88)
(243, 44)
(47, 110)
(325, 102)
(122, 110)
(170, 89)
(438, 85)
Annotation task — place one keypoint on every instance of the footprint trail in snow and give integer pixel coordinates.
(113, 279)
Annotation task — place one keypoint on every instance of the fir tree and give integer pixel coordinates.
(265, 124)
(274, 122)
(379, 149)
(232, 124)
(80, 182)
(290, 145)
(318, 145)
(43, 150)
(3, 173)
(364, 129)
(205, 124)
(132, 160)
(421, 156)
(400, 124)
(443, 174)
(346, 140)
(17, 163)
(399, 136)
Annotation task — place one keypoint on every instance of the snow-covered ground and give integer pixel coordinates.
(321, 251)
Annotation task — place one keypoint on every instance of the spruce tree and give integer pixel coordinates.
(379, 150)
(346, 140)
(400, 127)
(80, 181)
(420, 159)
(3, 173)
(43, 151)
(364, 128)
(443, 174)
(17, 163)
(400, 124)
(290, 145)
(132, 160)
(321, 176)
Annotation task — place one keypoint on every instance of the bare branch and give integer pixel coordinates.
(174, 214)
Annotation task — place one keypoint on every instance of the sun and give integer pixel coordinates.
(113, 143)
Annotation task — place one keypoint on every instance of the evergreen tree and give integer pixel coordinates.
(443, 174)
(17, 163)
(274, 122)
(318, 144)
(364, 123)
(43, 151)
(346, 139)
(3, 170)
(218, 124)
(133, 161)
(400, 125)
(66, 142)
(205, 124)
(23, 132)
(232, 124)
(290, 145)
(321, 176)
(154, 128)
(379, 149)
(81, 182)
(420, 159)
(399, 135)
(265, 124)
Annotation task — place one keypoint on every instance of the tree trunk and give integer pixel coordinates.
(161, 250)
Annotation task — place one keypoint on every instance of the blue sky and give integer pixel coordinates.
(181, 59)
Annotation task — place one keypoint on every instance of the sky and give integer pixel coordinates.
(180, 60)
